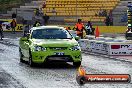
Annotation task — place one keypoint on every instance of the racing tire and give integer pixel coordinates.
(30, 62)
(21, 56)
(77, 64)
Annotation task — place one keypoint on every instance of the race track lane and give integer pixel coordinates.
(59, 75)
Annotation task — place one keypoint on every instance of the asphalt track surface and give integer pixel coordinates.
(14, 74)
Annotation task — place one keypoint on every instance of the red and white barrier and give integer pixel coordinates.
(107, 46)
(119, 48)
(91, 45)
(83, 44)
(100, 47)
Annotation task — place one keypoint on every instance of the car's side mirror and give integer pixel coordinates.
(24, 39)
(77, 38)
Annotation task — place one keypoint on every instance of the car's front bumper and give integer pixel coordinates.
(69, 56)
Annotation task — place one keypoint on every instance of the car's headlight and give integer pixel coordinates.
(75, 48)
(39, 48)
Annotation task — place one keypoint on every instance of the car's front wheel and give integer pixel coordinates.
(31, 63)
(21, 55)
(77, 64)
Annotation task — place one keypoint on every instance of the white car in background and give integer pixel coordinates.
(6, 25)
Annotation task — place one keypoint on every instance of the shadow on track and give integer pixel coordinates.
(52, 65)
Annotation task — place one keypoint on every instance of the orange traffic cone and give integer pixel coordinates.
(81, 71)
(97, 32)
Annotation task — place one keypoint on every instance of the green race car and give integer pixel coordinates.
(49, 43)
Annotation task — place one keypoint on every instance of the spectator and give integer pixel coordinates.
(1, 31)
(13, 25)
(37, 23)
(45, 18)
(26, 30)
(107, 21)
(14, 15)
(111, 21)
(100, 13)
(88, 28)
(44, 5)
(79, 28)
(40, 12)
(110, 13)
(104, 13)
(24, 22)
(111, 18)
(36, 12)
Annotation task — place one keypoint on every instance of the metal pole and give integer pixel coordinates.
(76, 10)
(16, 12)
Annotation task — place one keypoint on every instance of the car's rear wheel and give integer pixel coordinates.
(31, 63)
(21, 55)
(77, 64)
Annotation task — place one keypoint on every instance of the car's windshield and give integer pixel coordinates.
(51, 33)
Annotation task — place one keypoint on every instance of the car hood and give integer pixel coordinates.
(55, 42)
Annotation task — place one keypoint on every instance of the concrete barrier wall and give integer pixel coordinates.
(107, 46)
